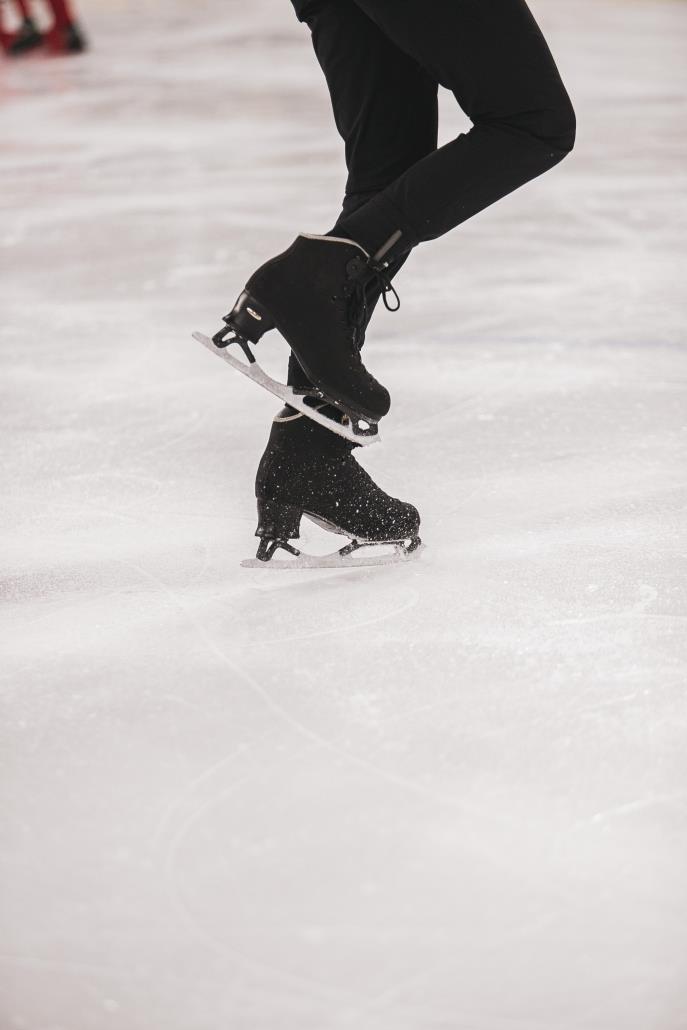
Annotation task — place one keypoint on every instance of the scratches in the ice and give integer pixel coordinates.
(355, 624)
(397, 994)
(640, 609)
(64, 965)
(113, 474)
(201, 780)
(420, 426)
(196, 423)
(216, 943)
(219, 945)
(404, 782)
(476, 490)
(629, 808)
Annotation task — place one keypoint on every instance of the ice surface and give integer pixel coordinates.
(448, 795)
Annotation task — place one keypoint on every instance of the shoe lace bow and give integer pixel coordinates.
(363, 273)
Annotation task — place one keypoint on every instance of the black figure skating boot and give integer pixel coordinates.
(307, 470)
(315, 294)
(66, 39)
(27, 37)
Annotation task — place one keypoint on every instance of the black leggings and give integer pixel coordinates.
(383, 61)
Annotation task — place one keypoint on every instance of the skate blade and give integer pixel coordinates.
(285, 393)
(336, 560)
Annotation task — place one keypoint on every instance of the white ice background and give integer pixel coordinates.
(442, 796)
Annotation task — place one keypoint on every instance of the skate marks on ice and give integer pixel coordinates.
(301, 953)
(277, 709)
(219, 648)
(202, 804)
(192, 922)
(257, 374)
(220, 946)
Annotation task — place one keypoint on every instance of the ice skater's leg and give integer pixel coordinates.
(384, 105)
(493, 57)
(61, 13)
(352, 202)
(65, 36)
(27, 37)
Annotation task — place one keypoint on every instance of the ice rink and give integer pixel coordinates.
(448, 795)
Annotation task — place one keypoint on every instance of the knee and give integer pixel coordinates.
(565, 125)
(551, 126)
(355, 199)
(557, 127)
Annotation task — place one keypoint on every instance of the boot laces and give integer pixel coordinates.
(358, 310)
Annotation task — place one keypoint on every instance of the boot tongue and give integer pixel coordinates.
(299, 430)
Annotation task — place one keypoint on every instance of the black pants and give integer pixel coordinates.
(383, 61)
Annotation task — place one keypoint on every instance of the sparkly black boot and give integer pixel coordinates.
(307, 470)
